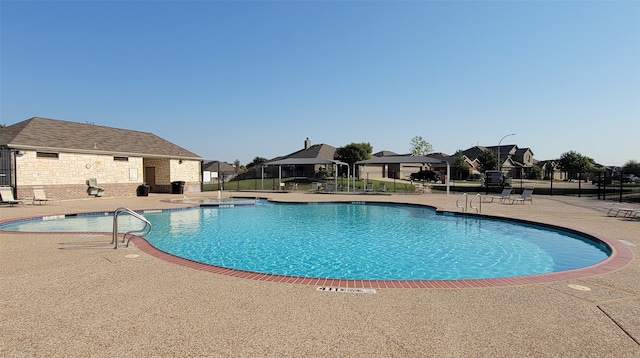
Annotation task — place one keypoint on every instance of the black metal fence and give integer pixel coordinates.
(6, 169)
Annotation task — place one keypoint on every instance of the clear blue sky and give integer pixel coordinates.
(238, 79)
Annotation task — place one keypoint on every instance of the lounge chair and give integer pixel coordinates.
(633, 214)
(616, 210)
(418, 188)
(330, 188)
(94, 189)
(40, 197)
(6, 196)
(382, 187)
(368, 188)
(505, 195)
(527, 195)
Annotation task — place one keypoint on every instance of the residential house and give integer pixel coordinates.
(316, 151)
(392, 168)
(551, 166)
(515, 162)
(62, 156)
(214, 172)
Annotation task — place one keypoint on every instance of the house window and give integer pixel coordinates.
(121, 159)
(46, 155)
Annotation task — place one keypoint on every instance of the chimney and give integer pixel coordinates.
(307, 143)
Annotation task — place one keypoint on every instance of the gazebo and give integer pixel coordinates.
(304, 161)
(401, 159)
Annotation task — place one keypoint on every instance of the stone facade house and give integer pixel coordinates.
(62, 156)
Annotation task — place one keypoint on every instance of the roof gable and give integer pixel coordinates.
(56, 135)
(217, 166)
(323, 151)
(522, 151)
(384, 153)
(474, 152)
(505, 149)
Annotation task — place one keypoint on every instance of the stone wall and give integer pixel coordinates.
(65, 176)
(170, 170)
(75, 168)
(77, 191)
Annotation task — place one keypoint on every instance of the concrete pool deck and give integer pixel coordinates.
(73, 295)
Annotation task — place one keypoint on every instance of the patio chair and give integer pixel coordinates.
(505, 195)
(382, 187)
(40, 197)
(94, 189)
(624, 211)
(368, 188)
(314, 188)
(527, 195)
(330, 188)
(6, 196)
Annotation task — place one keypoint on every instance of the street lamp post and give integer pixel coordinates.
(500, 142)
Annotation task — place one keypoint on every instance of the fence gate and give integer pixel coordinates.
(6, 172)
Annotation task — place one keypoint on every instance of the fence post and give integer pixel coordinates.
(620, 186)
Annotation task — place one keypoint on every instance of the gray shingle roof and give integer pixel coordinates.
(56, 135)
(323, 151)
(217, 166)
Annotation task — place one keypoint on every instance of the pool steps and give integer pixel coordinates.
(228, 203)
(144, 231)
(469, 204)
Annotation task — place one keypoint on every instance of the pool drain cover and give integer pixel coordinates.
(347, 290)
(579, 287)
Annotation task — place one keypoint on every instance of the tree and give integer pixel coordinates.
(354, 152)
(256, 161)
(488, 160)
(536, 172)
(460, 166)
(236, 166)
(632, 167)
(549, 169)
(420, 147)
(573, 162)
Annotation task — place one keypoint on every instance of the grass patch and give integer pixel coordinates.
(304, 185)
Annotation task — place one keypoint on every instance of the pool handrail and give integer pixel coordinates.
(144, 231)
(466, 202)
(479, 207)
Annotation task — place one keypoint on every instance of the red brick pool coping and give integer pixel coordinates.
(620, 256)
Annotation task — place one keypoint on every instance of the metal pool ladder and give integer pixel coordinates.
(469, 204)
(144, 231)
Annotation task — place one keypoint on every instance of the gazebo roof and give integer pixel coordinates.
(304, 161)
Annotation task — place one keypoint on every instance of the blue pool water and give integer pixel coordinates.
(352, 241)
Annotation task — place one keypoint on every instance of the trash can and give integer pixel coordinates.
(177, 187)
(143, 190)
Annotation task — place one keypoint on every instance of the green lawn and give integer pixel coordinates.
(303, 185)
(632, 191)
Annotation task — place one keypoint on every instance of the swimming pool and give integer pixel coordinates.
(354, 241)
